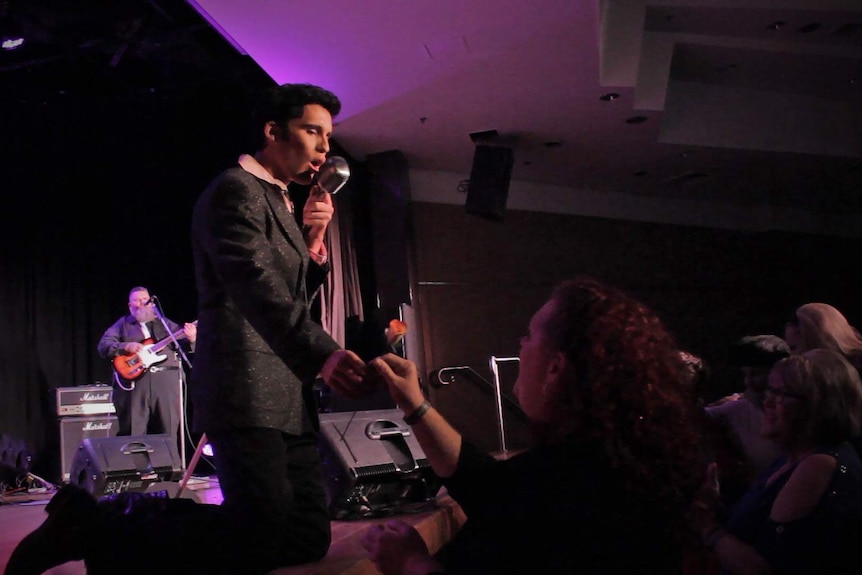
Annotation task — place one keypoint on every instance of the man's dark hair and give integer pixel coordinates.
(285, 102)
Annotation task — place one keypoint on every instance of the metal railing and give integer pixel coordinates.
(446, 375)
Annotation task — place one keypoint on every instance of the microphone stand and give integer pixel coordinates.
(180, 387)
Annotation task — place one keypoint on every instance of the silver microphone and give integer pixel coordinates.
(333, 174)
(151, 300)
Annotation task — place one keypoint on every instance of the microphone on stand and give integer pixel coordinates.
(152, 300)
(331, 178)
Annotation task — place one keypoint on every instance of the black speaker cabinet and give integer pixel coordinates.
(74, 430)
(373, 466)
(15, 459)
(489, 182)
(125, 463)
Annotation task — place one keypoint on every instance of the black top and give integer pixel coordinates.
(554, 509)
(826, 540)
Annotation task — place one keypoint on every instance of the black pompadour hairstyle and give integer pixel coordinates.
(285, 102)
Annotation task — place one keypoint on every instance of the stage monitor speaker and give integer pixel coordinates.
(373, 466)
(74, 430)
(125, 463)
(488, 189)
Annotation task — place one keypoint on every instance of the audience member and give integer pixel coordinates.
(820, 325)
(699, 372)
(804, 513)
(617, 460)
(738, 418)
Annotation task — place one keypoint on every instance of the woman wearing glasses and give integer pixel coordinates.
(804, 513)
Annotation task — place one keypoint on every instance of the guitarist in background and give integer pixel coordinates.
(148, 398)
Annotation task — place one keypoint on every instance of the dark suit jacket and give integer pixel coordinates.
(258, 349)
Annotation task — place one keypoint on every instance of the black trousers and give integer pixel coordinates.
(273, 486)
(152, 406)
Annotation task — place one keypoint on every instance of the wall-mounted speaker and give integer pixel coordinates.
(488, 189)
(125, 463)
(373, 466)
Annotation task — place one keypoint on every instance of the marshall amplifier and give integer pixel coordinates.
(125, 463)
(74, 430)
(85, 400)
(373, 466)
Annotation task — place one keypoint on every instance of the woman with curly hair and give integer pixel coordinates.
(617, 460)
(803, 515)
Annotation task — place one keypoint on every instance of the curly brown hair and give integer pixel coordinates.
(627, 387)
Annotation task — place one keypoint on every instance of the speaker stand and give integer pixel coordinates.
(192, 464)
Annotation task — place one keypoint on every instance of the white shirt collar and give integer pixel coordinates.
(248, 163)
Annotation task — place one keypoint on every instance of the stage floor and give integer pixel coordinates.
(21, 514)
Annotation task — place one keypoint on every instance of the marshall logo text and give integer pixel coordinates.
(97, 426)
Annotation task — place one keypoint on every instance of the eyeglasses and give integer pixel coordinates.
(779, 393)
(141, 300)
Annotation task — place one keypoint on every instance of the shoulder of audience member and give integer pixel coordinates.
(805, 487)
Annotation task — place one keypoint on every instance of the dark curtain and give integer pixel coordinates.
(98, 186)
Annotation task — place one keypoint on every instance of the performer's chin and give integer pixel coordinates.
(145, 315)
(306, 178)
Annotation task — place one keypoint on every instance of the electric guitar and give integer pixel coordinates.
(132, 367)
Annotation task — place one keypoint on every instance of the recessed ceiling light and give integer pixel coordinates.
(610, 96)
(553, 144)
(777, 25)
(12, 42)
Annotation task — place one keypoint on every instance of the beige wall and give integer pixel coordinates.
(475, 284)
